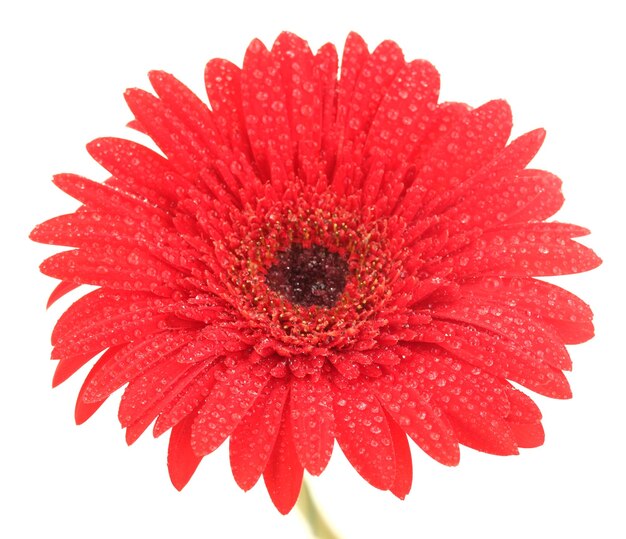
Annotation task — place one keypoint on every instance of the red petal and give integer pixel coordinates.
(312, 422)
(181, 460)
(326, 64)
(432, 372)
(252, 442)
(409, 200)
(355, 55)
(404, 114)
(476, 201)
(527, 435)
(363, 434)
(64, 287)
(502, 357)
(567, 314)
(138, 167)
(521, 329)
(187, 106)
(146, 396)
(476, 408)
(525, 420)
(130, 361)
(76, 349)
(548, 199)
(519, 197)
(107, 199)
(416, 417)
(529, 249)
(283, 474)
(87, 310)
(122, 268)
(404, 465)
(234, 392)
(81, 229)
(186, 401)
(303, 93)
(466, 147)
(523, 408)
(264, 105)
(371, 85)
(86, 408)
(185, 151)
(223, 85)
(483, 432)
(213, 342)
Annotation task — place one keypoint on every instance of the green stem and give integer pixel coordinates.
(320, 529)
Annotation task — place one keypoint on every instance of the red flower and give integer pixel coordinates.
(318, 258)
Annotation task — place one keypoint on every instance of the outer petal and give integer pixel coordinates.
(404, 114)
(569, 316)
(148, 395)
(528, 249)
(468, 146)
(483, 432)
(363, 434)
(283, 474)
(404, 465)
(525, 420)
(477, 405)
(313, 423)
(185, 151)
(252, 442)
(326, 65)
(469, 203)
(503, 357)
(181, 460)
(355, 54)
(264, 104)
(371, 85)
(144, 272)
(187, 106)
(64, 287)
(519, 328)
(128, 323)
(233, 394)
(85, 409)
(223, 84)
(104, 198)
(303, 94)
(187, 400)
(141, 170)
(477, 410)
(88, 310)
(417, 418)
(527, 435)
(128, 362)
(514, 198)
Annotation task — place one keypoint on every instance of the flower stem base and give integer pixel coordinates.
(320, 529)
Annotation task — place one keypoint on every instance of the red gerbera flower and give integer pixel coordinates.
(317, 258)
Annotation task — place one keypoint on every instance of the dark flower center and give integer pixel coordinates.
(308, 275)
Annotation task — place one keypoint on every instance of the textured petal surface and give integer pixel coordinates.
(363, 434)
(312, 420)
(230, 398)
(404, 465)
(252, 442)
(283, 474)
(322, 252)
(181, 460)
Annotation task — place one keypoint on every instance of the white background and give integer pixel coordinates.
(64, 68)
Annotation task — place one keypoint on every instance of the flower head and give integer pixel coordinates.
(313, 258)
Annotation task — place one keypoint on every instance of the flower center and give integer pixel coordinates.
(308, 275)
